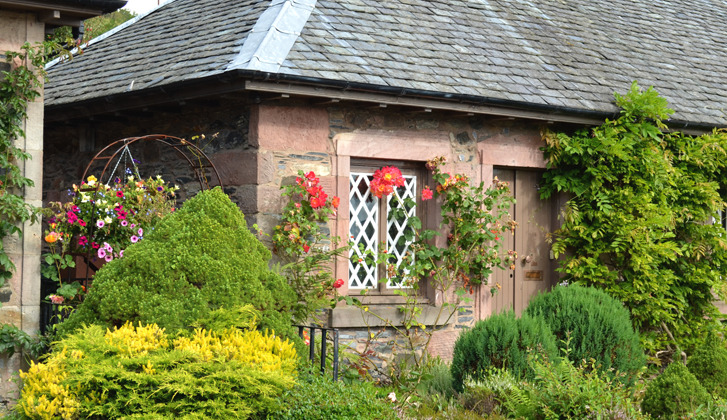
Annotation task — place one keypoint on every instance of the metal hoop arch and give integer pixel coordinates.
(197, 159)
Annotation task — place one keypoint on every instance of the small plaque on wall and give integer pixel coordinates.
(534, 275)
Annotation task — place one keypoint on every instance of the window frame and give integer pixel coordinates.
(361, 166)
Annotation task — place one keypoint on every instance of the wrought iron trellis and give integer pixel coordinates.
(197, 159)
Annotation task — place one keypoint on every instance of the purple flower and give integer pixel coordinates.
(140, 232)
(134, 239)
(124, 223)
(100, 223)
(160, 189)
(108, 247)
(101, 253)
(109, 257)
(121, 253)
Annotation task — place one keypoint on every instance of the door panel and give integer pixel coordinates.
(534, 269)
(505, 297)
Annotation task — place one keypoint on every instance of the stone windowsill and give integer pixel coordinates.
(353, 317)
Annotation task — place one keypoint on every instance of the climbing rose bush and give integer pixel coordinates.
(302, 245)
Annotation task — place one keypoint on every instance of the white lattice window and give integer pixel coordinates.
(372, 225)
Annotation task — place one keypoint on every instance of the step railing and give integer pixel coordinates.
(326, 335)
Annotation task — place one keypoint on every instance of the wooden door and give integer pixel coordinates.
(534, 269)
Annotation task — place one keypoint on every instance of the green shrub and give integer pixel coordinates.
(561, 390)
(198, 259)
(709, 365)
(674, 393)
(437, 379)
(593, 325)
(141, 371)
(500, 341)
(319, 397)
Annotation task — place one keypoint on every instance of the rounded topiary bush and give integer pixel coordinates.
(593, 325)
(709, 365)
(198, 259)
(501, 342)
(676, 393)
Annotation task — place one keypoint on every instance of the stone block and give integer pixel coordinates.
(30, 287)
(10, 314)
(270, 199)
(31, 319)
(34, 126)
(289, 128)
(34, 171)
(237, 167)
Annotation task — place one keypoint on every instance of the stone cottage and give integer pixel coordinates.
(345, 87)
(21, 22)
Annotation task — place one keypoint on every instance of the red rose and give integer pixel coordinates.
(427, 194)
(338, 283)
(335, 202)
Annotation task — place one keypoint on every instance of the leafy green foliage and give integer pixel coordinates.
(709, 365)
(94, 26)
(561, 390)
(18, 87)
(139, 371)
(13, 339)
(303, 245)
(198, 259)
(503, 342)
(317, 397)
(637, 223)
(675, 393)
(594, 326)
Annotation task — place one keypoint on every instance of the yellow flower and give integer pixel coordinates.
(91, 181)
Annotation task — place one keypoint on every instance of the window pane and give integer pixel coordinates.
(363, 228)
(396, 244)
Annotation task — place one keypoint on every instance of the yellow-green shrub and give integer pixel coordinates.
(139, 370)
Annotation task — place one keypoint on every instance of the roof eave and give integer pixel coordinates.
(239, 80)
(63, 12)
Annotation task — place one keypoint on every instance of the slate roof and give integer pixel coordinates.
(565, 54)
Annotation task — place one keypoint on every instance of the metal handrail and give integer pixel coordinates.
(324, 344)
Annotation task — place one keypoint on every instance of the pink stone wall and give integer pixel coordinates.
(261, 147)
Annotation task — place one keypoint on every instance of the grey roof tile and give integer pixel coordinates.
(573, 54)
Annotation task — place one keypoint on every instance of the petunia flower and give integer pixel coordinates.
(101, 253)
(134, 239)
(100, 223)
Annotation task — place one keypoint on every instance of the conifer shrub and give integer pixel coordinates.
(198, 259)
(503, 342)
(144, 372)
(592, 325)
(709, 365)
(676, 393)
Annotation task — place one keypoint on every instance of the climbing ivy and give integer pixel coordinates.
(638, 222)
(18, 86)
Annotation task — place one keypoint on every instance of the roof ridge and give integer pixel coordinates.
(271, 39)
(106, 34)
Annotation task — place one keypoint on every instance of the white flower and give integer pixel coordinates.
(391, 397)
(130, 178)
(107, 219)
